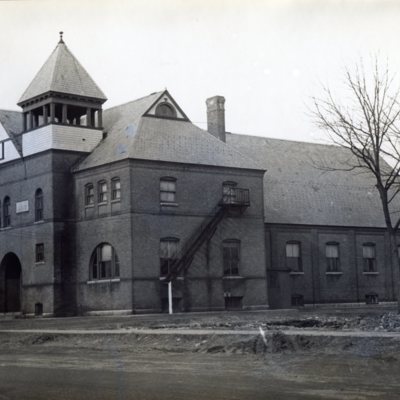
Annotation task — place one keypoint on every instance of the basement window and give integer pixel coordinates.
(233, 303)
(297, 300)
(371, 298)
(38, 309)
(2, 156)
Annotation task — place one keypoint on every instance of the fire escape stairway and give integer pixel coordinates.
(204, 232)
(236, 198)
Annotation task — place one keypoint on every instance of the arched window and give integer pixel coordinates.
(169, 247)
(293, 256)
(104, 263)
(6, 212)
(165, 110)
(115, 189)
(89, 194)
(39, 205)
(102, 192)
(231, 256)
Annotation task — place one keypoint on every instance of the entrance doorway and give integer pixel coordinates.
(10, 278)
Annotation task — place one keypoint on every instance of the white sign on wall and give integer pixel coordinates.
(22, 206)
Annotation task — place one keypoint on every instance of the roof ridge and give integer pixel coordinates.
(285, 140)
(8, 110)
(52, 80)
(133, 101)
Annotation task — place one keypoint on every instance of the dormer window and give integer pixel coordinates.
(165, 110)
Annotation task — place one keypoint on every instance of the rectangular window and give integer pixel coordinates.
(293, 257)
(89, 195)
(6, 212)
(332, 257)
(168, 255)
(103, 192)
(297, 300)
(39, 205)
(115, 189)
(2, 151)
(231, 257)
(39, 252)
(167, 190)
(228, 192)
(369, 258)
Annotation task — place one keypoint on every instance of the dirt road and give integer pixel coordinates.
(346, 355)
(69, 374)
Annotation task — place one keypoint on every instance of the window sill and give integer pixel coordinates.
(39, 222)
(39, 263)
(93, 282)
(164, 204)
(334, 273)
(89, 205)
(232, 277)
(371, 273)
(116, 201)
(5, 228)
(178, 278)
(103, 203)
(296, 273)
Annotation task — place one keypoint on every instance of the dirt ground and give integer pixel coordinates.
(295, 355)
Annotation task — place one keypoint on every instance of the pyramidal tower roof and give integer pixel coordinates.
(62, 73)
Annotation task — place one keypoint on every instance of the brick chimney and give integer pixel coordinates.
(216, 117)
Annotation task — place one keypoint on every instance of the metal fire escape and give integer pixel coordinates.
(236, 199)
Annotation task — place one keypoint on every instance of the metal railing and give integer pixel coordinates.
(236, 197)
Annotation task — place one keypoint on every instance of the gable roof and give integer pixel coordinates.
(166, 97)
(130, 134)
(298, 191)
(13, 125)
(62, 73)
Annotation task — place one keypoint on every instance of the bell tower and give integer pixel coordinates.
(62, 106)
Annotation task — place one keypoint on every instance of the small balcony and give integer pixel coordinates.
(235, 197)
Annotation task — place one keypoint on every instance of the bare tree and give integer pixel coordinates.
(367, 123)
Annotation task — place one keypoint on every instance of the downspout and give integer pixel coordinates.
(170, 310)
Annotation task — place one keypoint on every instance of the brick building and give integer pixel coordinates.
(137, 209)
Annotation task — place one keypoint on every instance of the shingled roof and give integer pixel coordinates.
(298, 191)
(62, 73)
(132, 135)
(13, 125)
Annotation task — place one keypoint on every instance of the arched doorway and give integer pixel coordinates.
(10, 278)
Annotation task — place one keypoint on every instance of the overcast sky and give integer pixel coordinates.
(267, 57)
